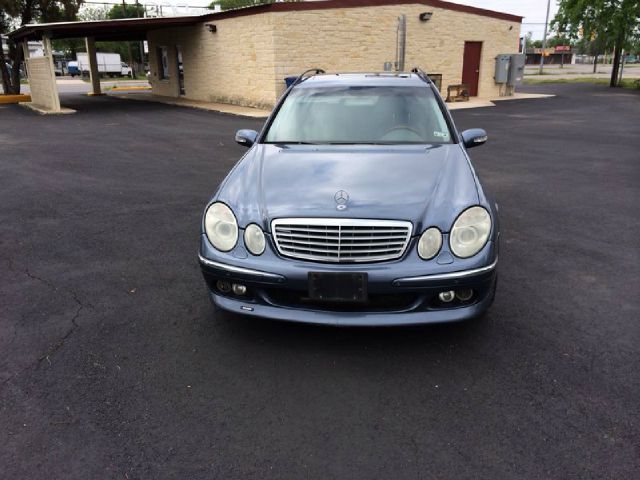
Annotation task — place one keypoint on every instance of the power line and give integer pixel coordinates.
(163, 4)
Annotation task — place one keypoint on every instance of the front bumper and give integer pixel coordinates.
(402, 292)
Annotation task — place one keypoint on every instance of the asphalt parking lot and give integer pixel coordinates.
(114, 365)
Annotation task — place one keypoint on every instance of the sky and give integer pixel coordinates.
(533, 11)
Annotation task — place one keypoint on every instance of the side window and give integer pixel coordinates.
(163, 63)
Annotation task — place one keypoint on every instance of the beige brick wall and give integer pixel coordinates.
(42, 83)
(362, 39)
(233, 65)
(245, 61)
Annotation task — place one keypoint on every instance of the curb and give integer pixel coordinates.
(119, 89)
(44, 111)
(6, 99)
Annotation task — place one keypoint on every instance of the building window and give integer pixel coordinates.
(436, 78)
(163, 63)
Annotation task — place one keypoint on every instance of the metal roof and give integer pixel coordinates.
(137, 28)
(103, 30)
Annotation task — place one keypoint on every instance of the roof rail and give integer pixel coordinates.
(421, 73)
(301, 77)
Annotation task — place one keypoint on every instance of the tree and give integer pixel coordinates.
(528, 43)
(130, 11)
(73, 45)
(125, 49)
(615, 23)
(15, 13)
(70, 46)
(559, 40)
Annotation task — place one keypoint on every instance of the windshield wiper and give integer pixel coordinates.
(292, 143)
(373, 143)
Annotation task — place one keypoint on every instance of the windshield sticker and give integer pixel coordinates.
(440, 134)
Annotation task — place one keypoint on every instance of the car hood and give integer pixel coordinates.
(428, 186)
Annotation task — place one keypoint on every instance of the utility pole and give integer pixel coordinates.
(124, 15)
(544, 38)
(401, 42)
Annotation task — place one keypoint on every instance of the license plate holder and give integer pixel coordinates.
(338, 286)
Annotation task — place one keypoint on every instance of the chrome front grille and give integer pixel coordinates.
(341, 240)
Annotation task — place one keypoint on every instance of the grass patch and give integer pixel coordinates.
(632, 83)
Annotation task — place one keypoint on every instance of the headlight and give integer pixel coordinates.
(254, 239)
(429, 243)
(221, 227)
(470, 232)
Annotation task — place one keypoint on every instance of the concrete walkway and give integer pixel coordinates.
(215, 107)
(262, 113)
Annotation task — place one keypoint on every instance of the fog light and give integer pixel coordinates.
(239, 289)
(464, 294)
(447, 296)
(223, 286)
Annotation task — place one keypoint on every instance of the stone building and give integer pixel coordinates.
(243, 56)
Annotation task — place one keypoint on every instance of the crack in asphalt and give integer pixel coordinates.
(74, 324)
(57, 345)
(40, 279)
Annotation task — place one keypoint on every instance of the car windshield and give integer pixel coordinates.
(359, 115)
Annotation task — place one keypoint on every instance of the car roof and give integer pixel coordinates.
(381, 79)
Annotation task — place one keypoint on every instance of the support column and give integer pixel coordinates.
(93, 66)
(25, 55)
(53, 87)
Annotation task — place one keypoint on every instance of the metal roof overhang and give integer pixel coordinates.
(129, 29)
(137, 28)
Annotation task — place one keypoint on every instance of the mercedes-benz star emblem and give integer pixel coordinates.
(341, 197)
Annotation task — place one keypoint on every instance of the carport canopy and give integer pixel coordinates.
(41, 75)
(121, 30)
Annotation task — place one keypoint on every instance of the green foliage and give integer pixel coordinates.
(5, 22)
(71, 46)
(93, 13)
(609, 19)
(615, 23)
(15, 13)
(559, 40)
(123, 48)
(21, 12)
(130, 11)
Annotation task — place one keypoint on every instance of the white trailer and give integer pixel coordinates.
(109, 64)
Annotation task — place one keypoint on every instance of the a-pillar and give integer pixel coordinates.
(93, 66)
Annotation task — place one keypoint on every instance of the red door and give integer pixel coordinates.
(471, 66)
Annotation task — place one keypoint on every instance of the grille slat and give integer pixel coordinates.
(341, 240)
(343, 237)
(342, 243)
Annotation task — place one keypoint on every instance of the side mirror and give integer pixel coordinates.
(246, 138)
(474, 137)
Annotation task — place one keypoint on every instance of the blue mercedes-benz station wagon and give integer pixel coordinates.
(357, 204)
